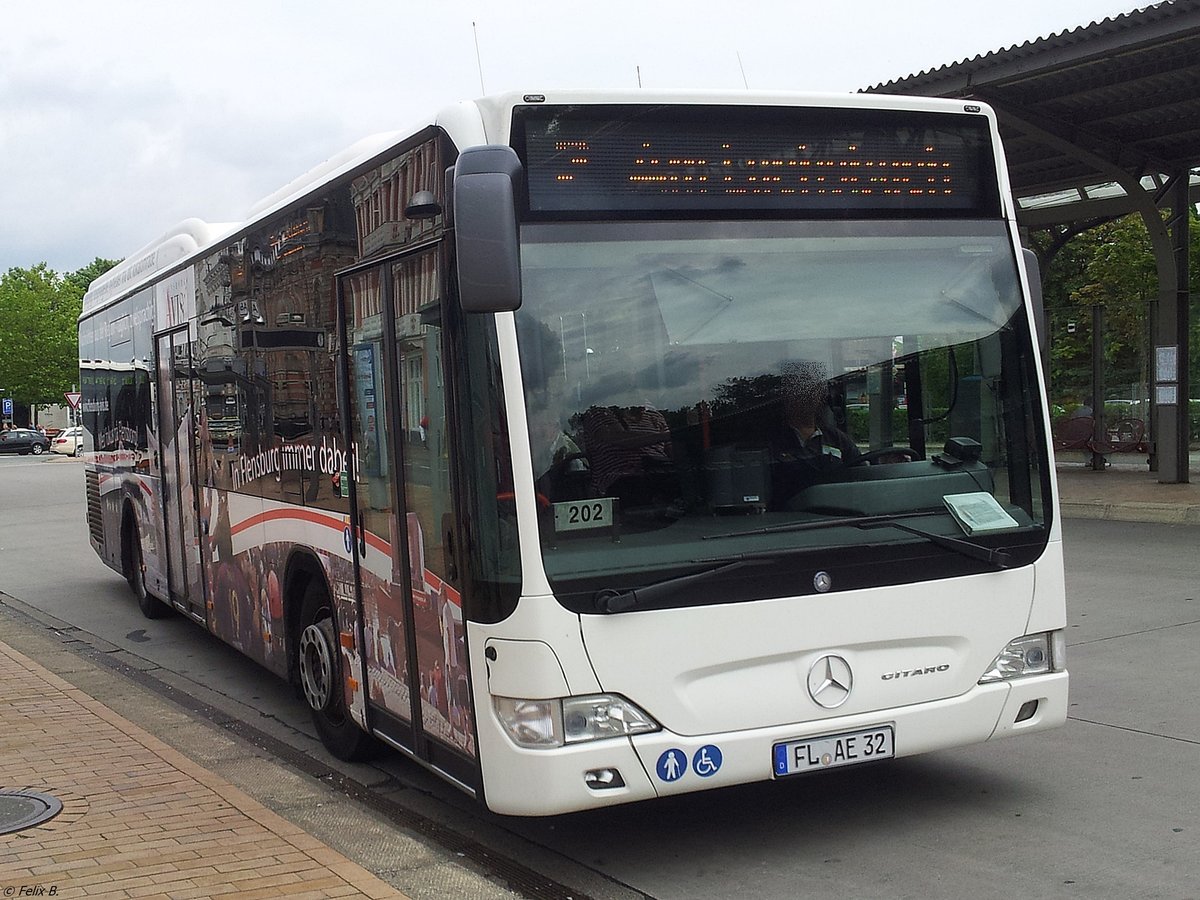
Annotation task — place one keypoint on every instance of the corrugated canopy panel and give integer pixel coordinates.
(1123, 93)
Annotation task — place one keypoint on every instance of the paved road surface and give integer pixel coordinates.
(1104, 807)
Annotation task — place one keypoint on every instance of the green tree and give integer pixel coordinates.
(39, 311)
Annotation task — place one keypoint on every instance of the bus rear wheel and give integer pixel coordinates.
(318, 659)
(135, 574)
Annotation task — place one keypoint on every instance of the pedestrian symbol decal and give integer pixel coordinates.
(671, 765)
(707, 760)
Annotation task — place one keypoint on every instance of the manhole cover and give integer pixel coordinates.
(24, 809)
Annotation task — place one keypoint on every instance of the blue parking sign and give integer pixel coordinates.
(8, 407)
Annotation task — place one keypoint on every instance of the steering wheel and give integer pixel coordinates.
(871, 456)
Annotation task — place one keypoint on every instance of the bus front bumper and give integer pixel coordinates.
(622, 770)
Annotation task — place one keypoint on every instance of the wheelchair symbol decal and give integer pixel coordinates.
(707, 760)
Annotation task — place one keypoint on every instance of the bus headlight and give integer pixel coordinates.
(1032, 654)
(572, 720)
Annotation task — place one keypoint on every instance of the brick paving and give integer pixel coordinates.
(139, 819)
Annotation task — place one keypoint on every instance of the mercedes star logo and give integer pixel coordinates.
(830, 681)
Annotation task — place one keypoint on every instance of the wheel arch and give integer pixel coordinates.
(131, 527)
(303, 567)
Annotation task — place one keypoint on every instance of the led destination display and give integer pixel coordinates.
(789, 162)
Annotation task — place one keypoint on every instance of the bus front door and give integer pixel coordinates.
(411, 605)
(176, 393)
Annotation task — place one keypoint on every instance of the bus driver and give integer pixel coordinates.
(807, 446)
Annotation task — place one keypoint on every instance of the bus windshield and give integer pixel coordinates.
(700, 393)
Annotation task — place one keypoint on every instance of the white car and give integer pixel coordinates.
(69, 441)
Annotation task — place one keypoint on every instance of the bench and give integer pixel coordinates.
(1122, 436)
(1075, 433)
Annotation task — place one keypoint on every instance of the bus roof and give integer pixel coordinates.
(142, 266)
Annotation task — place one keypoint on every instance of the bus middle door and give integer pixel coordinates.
(176, 412)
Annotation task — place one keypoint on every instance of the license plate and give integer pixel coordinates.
(831, 751)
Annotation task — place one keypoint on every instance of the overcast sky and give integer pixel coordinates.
(119, 119)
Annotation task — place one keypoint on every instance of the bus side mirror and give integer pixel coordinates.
(486, 182)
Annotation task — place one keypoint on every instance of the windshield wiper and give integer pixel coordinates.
(1001, 559)
(819, 524)
(998, 558)
(610, 601)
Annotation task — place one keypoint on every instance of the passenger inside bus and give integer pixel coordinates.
(807, 447)
(629, 452)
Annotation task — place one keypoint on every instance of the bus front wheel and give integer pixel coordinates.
(318, 656)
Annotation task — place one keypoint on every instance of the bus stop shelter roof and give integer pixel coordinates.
(1091, 114)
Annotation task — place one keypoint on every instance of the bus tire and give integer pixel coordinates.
(135, 574)
(318, 658)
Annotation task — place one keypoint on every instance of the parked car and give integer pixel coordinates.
(69, 441)
(23, 440)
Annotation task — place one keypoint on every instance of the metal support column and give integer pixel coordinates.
(1171, 346)
(1180, 227)
(1099, 426)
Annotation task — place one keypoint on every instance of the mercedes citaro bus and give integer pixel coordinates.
(589, 448)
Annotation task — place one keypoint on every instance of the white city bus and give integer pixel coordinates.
(593, 448)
